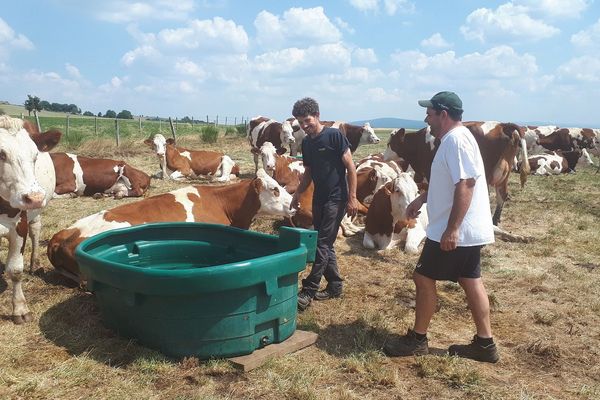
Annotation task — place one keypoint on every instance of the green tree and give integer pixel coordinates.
(32, 103)
(125, 115)
(88, 114)
(110, 114)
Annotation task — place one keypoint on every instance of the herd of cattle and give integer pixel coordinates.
(386, 183)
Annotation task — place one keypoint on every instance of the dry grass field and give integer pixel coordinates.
(544, 295)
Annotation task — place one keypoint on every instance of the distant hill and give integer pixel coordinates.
(392, 123)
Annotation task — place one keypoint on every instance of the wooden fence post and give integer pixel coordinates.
(172, 129)
(95, 125)
(216, 120)
(207, 120)
(140, 121)
(37, 120)
(67, 125)
(117, 131)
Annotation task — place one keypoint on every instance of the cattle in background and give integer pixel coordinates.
(287, 171)
(568, 139)
(356, 134)
(178, 163)
(386, 225)
(412, 149)
(26, 185)
(498, 143)
(554, 163)
(298, 134)
(263, 129)
(85, 176)
(533, 133)
(235, 205)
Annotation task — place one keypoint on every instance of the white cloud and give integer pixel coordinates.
(364, 56)
(73, 71)
(143, 52)
(557, 8)
(304, 61)
(584, 69)
(296, 27)
(588, 38)
(190, 68)
(506, 22)
(120, 11)
(217, 34)
(344, 25)
(435, 41)
(390, 7)
(11, 40)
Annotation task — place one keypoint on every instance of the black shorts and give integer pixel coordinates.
(440, 265)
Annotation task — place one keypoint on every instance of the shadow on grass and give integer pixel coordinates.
(75, 325)
(357, 337)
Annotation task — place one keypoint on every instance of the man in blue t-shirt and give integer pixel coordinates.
(329, 166)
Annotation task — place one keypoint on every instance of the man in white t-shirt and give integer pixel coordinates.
(460, 223)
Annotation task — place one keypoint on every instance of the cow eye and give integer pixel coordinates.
(2, 155)
(276, 192)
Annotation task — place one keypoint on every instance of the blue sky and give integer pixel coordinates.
(520, 60)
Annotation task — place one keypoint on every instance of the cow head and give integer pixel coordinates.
(368, 134)
(268, 155)
(394, 150)
(287, 133)
(274, 200)
(158, 143)
(18, 157)
(403, 191)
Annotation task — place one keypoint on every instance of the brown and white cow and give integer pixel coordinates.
(235, 205)
(498, 143)
(178, 162)
(298, 134)
(262, 129)
(356, 134)
(85, 176)
(287, 171)
(26, 185)
(386, 225)
(554, 163)
(568, 139)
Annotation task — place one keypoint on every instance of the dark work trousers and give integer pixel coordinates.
(326, 220)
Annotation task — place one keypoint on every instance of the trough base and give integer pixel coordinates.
(299, 340)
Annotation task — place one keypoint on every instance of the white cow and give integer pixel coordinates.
(26, 185)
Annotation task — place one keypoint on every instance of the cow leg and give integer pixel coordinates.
(35, 227)
(501, 196)
(225, 169)
(14, 271)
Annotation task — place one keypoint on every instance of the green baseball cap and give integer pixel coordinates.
(443, 101)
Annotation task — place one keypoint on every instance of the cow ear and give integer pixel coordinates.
(373, 175)
(281, 151)
(149, 142)
(171, 141)
(258, 185)
(255, 150)
(48, 140)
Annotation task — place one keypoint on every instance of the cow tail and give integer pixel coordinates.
(524, 168)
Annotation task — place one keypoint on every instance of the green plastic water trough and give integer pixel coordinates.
(192, 289)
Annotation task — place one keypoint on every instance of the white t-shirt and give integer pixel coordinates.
(457, 158)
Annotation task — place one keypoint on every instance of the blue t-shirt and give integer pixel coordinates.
(323, 154)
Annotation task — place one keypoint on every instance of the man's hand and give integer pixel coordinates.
(412, 210)
(352, 207)
(449, 239)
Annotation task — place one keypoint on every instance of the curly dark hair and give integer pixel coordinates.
(305, 107)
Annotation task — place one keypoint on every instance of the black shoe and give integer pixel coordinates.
(407, 345)
(304, 300)
(328, 294)
(475, 351)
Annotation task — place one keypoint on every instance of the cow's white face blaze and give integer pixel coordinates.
(160, 144)
(287, 133)
(274, 200)
(268, 156)
(18, 155)
(404, 191)
(368, 135)
(389, 153)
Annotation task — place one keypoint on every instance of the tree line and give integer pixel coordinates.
(34, 103)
